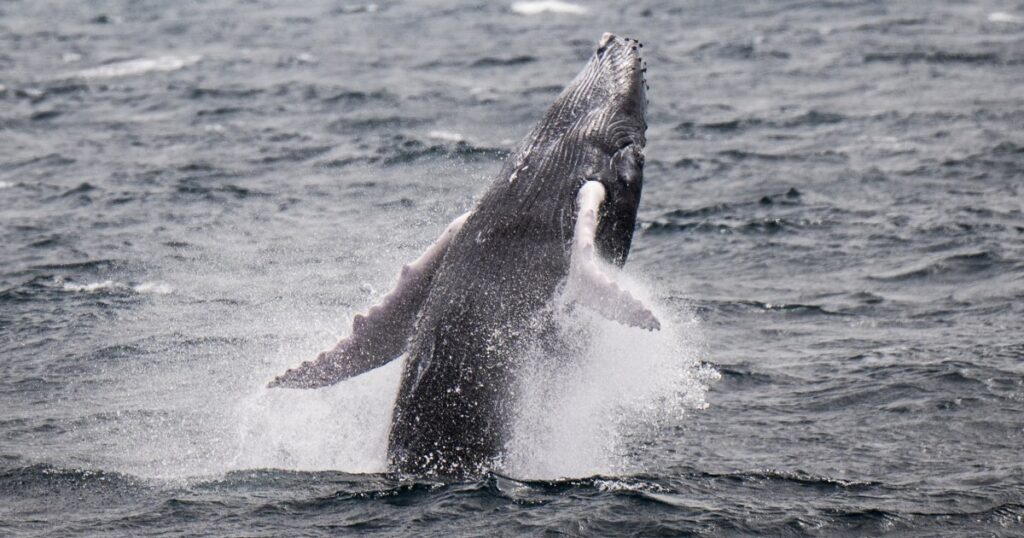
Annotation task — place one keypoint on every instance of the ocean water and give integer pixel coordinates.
(196, 196)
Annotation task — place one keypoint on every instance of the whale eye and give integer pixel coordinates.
(629, 164)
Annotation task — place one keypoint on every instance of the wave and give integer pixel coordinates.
(745, 306)
(446, 136)
(747, 502)
(891, 25)
(1002, 161)
(37, 94)
(226, 92)
(375, 123)
(1005, 18)
(201, 186)
(761, 226)
(540, 7)
(155, 288)
(82, 188)
(373, 486)
(949, 268)
(736, 51)
(352, 97)
(45, 115)
(158, 288)
(404, 149)
(489, 61)
(138, 66)
(297, 154)
(791, 197)
(351, 9)
(89, 265)
(44, 476)
(780, 212)
(50, 159)
(775, 478)
(816, 156)
(733, 126)
(941, 57)
(223, 111)
(736, 378)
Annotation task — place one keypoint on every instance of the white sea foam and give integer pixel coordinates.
(576, 415)
(1005, 18)
(4, 184)
(627, 485)
(91, 287)
(157, 288)
(343, 427)
(138, 66)
(548, 6)
(580, 414)
(446, 136)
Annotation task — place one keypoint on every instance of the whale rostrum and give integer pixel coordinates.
(559, 215)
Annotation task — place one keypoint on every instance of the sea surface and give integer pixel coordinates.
(195, 196)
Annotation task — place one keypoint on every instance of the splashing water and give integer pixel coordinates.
(576, 414)
(200, 405)
(344, 427)
(579, 410)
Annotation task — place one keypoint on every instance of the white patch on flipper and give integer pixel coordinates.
(588, 283)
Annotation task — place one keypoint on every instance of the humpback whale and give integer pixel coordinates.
(558, 217)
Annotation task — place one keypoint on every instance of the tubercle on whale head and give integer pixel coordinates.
(627, 72)
(613, 89)
(600, 112)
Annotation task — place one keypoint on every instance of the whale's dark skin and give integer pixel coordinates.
(465, 311)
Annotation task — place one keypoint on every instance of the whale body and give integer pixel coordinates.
(560, 211)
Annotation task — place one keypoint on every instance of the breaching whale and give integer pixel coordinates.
(560, 212)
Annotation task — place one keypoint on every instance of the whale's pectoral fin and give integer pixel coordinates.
(380, 335)
(589, 284)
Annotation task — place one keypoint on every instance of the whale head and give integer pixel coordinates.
(603, 113)
(612, 90)
(594, 130)
(605, 106)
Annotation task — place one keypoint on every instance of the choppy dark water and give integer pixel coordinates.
(193, 197)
